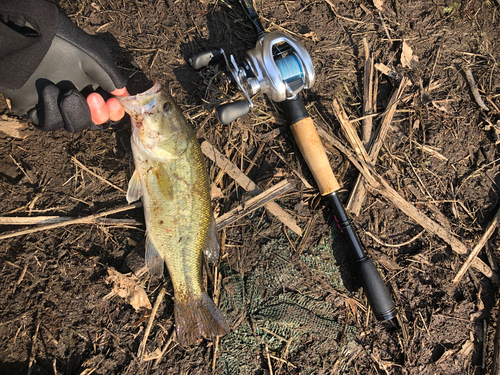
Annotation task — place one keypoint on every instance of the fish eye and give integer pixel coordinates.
(166, 107)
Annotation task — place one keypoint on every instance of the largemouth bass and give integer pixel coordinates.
(171, 178)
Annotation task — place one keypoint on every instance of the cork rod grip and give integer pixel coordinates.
(311, 148)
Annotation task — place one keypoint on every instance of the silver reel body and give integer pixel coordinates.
(279, 66)
(269, 77)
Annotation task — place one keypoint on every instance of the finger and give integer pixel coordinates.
(99, 111)
(50, 117)
(116, 111)
(75, 111)
(120, 92)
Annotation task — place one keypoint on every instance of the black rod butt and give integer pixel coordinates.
(375, 290)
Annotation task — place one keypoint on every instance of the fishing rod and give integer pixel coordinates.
(280, 67)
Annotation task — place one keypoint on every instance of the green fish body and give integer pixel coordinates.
(171, 178)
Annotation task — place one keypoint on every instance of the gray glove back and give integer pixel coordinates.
(51, 97)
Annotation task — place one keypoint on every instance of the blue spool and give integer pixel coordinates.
(290, 68)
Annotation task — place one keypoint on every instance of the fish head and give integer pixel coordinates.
(158, 125)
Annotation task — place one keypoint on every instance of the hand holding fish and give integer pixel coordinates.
(50, 69)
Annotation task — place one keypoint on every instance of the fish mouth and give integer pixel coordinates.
(153, 90)
(140, 103)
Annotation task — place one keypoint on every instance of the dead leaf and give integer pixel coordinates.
(129, 288)
(467, 349)
(351, 304)
(312, 35)
(447, 354)
(408, 59)
(378, 4)
(388, 263)
(464, 352)
(442, 108)
(216, 192)
(13, 127)
(384, 69)
(152, 356)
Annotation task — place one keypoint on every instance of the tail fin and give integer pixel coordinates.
(199, 319)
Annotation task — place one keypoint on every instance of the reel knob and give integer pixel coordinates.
(230, 112)
(205, 58)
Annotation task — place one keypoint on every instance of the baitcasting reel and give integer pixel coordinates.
(279, 66)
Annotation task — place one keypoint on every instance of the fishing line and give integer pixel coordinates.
(290, 68)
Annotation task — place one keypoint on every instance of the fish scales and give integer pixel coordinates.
(171, 178)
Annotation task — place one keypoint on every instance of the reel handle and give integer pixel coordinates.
(231, 111)
(205, 58)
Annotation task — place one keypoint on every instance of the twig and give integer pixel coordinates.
(385, 27)
(358, 194)
(165, 347)
(216, 348)
(142, 347)
(473, 174)
(485, 343)
(491, 258)
(379, 186)
(21, 168)
(54, 366)
(246, 183)
(422, 185)
(89, 371)
(395, 245)
(384, 69)
(495, 368)
(472, 256)
(253, 204)
(282, 360)
(23, 273)
(302, 178)
(430, 150)
(22, 316)
(332, 7)
(82, 220)
(367, 95)
(307, 232)
(269, 361)
(75, 160)
(33, 348)
(38, 220)
(475, 91)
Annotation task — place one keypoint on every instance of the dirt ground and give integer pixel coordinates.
(441, 154)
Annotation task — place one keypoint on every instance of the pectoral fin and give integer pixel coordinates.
(158, 181)
(212, 248)
(154, 260)
(134, 191)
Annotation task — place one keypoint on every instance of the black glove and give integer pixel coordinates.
(47, 87)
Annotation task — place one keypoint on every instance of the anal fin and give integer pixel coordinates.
(154, 261)
(212, 247)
